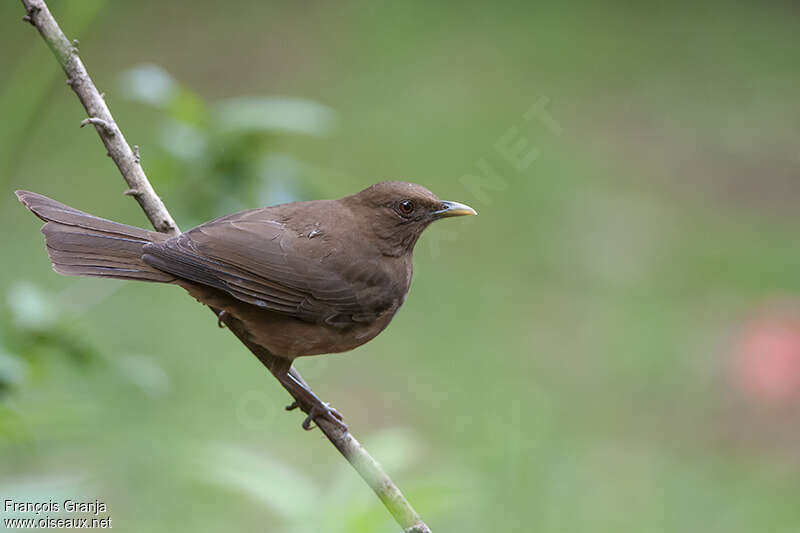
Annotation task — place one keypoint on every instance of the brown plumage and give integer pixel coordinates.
(305, 278)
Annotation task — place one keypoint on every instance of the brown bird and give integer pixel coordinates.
(304, 278)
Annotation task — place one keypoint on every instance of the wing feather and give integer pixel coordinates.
(258, 259)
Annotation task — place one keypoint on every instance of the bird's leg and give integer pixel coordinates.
(319, 409)
(326, 411)
(295, 375)
(300, 390)
(291, 380)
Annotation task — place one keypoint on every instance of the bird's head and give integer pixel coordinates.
(398, 212)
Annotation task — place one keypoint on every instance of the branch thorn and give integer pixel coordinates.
(32, 10)
(104, 125)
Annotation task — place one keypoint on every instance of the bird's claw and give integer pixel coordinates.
(327, 412)
(220, 318)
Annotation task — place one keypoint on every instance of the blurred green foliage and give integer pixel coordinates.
(305, 505)
(34, 329)
(218, 156)
(563, 361)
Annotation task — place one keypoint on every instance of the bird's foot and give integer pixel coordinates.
(220, 318)
(322, 410)
(326, 412)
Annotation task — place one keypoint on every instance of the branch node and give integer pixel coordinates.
(102, 124)
(30, 12)
(164, 226)
(132, 192)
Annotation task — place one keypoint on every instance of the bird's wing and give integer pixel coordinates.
(259, 260)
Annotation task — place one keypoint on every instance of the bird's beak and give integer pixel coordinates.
(454, 209)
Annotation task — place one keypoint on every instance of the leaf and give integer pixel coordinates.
(188, 107)
(274, 115)
(258, 476)
(279, 175)
(183, 141)
(150, 84)
(31, 307)
(13, 369)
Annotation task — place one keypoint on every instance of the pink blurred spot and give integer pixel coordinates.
(767, 358)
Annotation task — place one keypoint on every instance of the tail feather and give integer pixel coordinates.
(80, 244)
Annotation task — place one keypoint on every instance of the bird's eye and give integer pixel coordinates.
(406, 207)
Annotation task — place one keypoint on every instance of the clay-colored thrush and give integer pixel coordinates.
(304, 278)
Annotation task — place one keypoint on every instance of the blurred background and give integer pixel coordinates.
(612, 345)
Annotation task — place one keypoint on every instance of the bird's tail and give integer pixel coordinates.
(80, 244)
